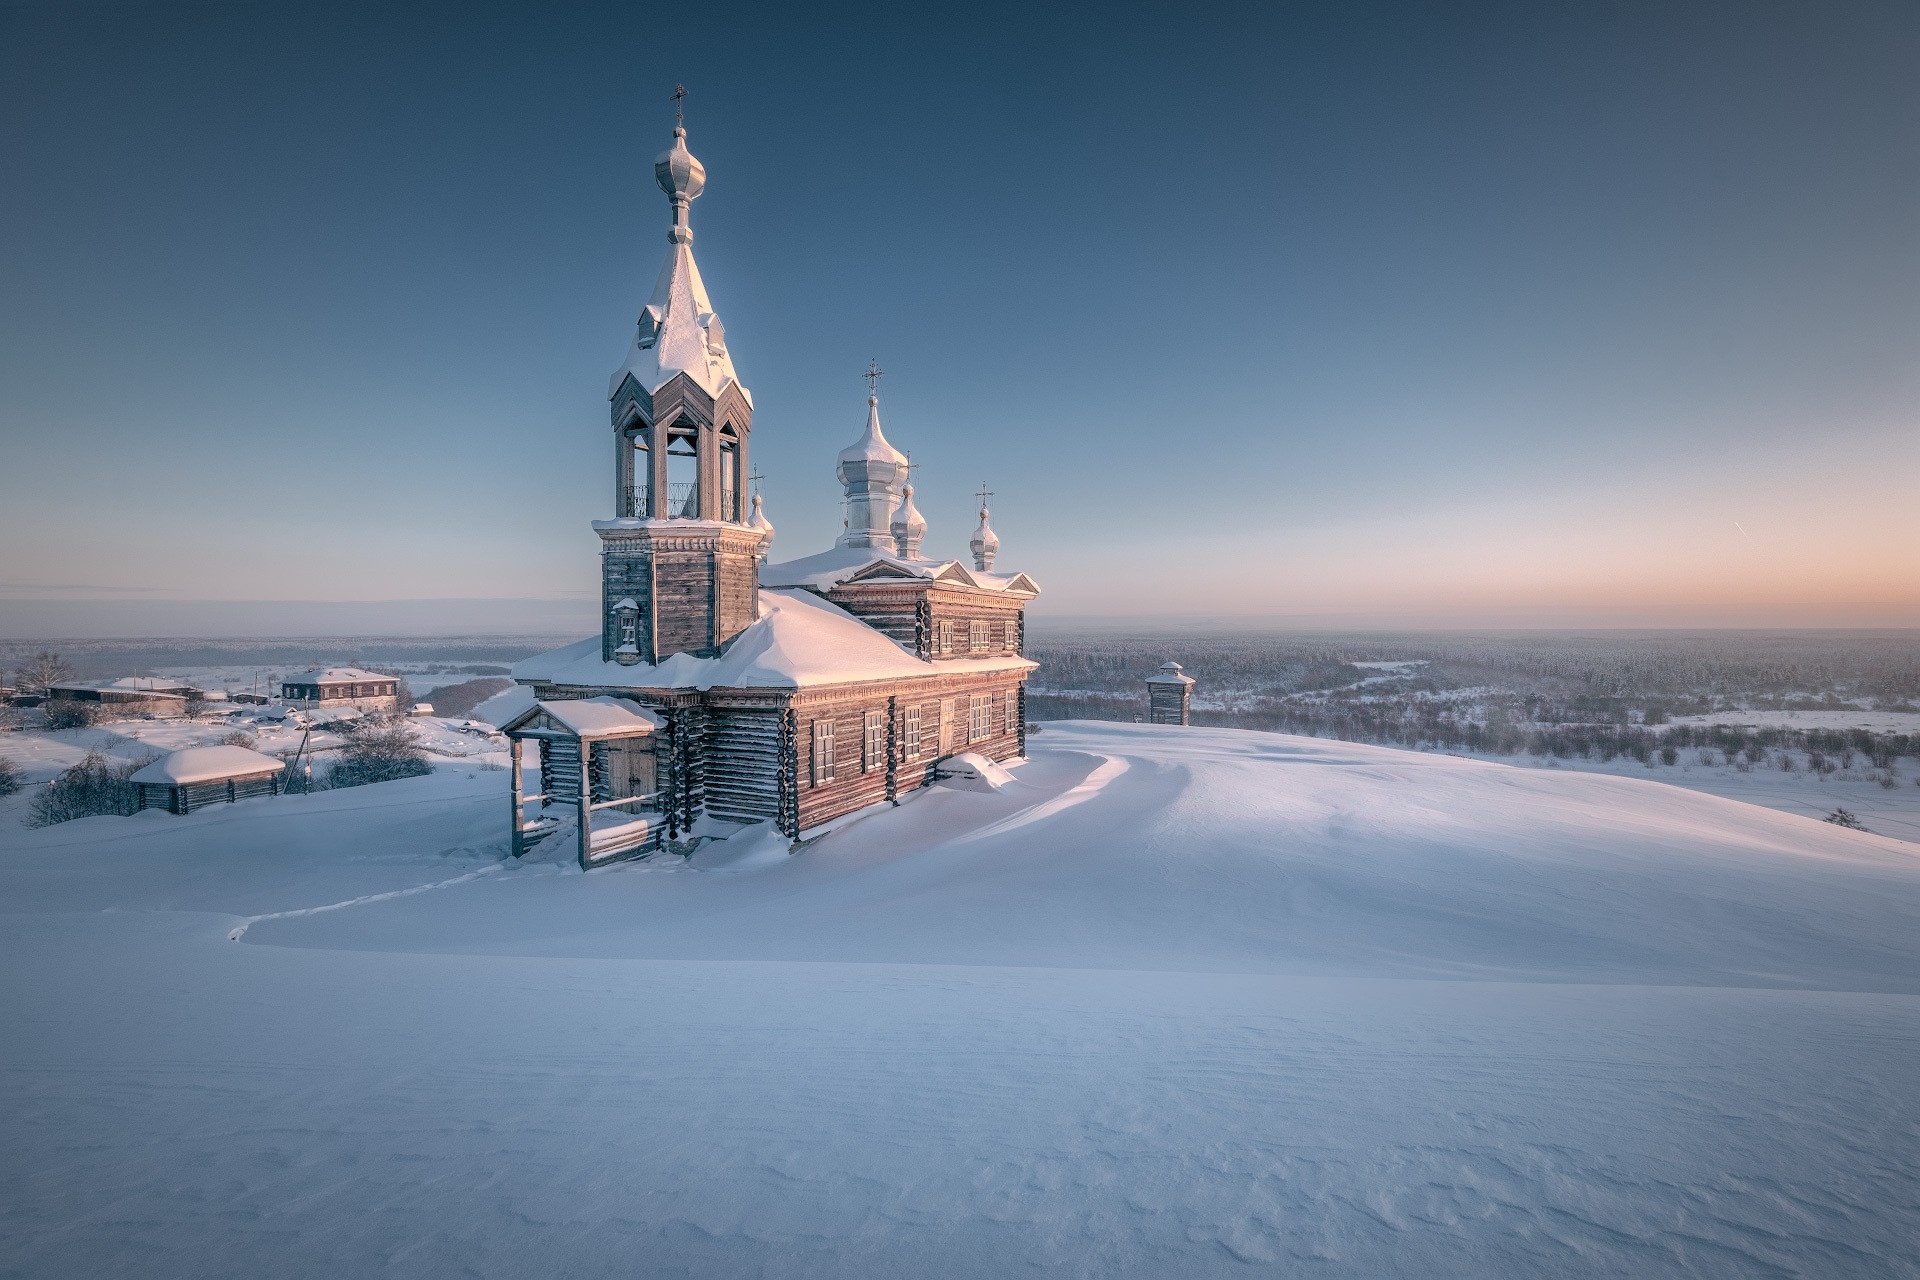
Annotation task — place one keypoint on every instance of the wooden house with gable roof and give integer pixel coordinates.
(794, 693)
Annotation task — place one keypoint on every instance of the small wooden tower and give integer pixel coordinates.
(1169, 695)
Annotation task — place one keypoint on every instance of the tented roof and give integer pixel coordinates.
(207, 764)
(679, 333)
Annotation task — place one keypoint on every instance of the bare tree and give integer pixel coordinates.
(42, 670)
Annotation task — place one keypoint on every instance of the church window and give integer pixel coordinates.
(822, 752)
(977, 636)
(946, 635)
(979, 707)
(873, 742)
(912, 747)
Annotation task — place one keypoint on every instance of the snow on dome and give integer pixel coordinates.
(759, 523)
(872, 446)
(1170, 673)
(985, 544)
(207, 764)
(909, 526)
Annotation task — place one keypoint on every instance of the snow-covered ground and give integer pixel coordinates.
(1174, 1003)
(1888, 811)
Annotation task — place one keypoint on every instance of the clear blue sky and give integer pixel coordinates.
(1337, 312)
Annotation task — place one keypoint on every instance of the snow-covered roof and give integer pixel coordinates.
(125, 684)
(335, 675)
(872, 446)
(591, 717)
(1169, 673)
(800, 641)
(835, 565)
(505, 706)
(207, 764)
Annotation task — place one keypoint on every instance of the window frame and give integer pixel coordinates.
(979, 717)
(873, 741)
(978, 638)
(945, 639)
(824, 752)
(910, 740)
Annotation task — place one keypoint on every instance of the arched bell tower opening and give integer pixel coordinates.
(683, 474)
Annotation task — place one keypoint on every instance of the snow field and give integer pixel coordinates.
(1171, 1002)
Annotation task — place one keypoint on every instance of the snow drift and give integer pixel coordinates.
(1161, 1002)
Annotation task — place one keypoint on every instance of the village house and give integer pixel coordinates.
(724, 687)
(126, 698)
(342, 687)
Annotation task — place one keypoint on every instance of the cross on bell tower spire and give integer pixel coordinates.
(679, 114)
(873, 375)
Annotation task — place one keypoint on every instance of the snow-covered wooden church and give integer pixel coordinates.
(723, 686)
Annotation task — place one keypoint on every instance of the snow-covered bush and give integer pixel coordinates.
(238, 738)
(69, 713)
(9, 777)
(94, 786)
(379, 749)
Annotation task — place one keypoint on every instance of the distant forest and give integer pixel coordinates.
(1591, 695)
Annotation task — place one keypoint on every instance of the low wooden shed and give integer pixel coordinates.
(200, 776)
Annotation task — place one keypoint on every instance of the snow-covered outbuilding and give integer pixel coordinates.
(795, 692)
(1169, 695)
(200, 776)
(342, 687)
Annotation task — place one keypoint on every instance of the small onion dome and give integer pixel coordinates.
(872, 446)
(909, 526)
(985, 544)
(759, 523)
(683, 179)
(676, 170)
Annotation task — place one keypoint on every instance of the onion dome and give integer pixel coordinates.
(683, 178)
(985, 544)
(909, 527)
(759, 523)
(872, 446)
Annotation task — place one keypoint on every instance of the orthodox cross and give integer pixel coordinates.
(679, 116)
(984, 494)
(754, 478)
(873, 375)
